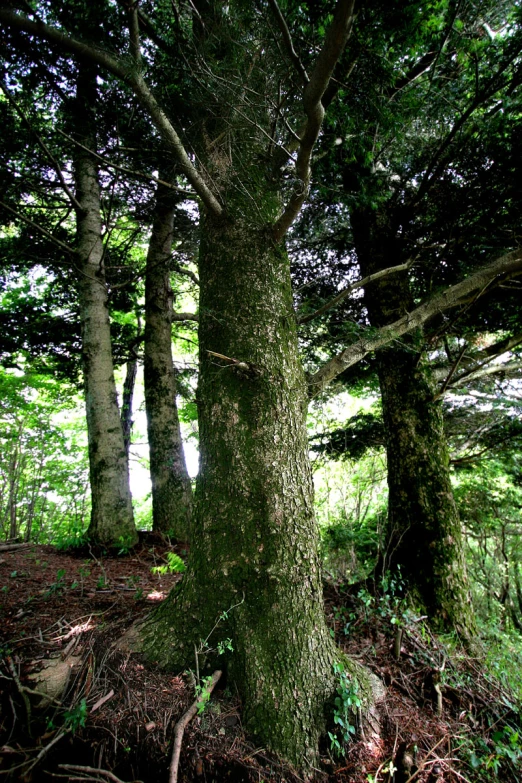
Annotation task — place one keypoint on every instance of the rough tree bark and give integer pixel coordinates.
(254, 543)
(112, 521)
(171, 490)
(424, 536)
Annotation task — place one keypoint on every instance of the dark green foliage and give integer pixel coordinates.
(363, 431)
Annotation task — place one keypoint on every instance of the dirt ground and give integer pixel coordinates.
(111, 716)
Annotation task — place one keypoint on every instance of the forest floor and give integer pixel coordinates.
(108, 716)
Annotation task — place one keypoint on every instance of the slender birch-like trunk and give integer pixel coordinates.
(112, 521)
(171, 490)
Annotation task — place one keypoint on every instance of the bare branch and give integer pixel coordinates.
(475, 365)
(182, 271)
(353, 287)
(452, 371)
(507, 265)
(509, 368)
(135, 81)
(134, 33)
(132, 172)
(336, 39)
(287, 38)
(185, 316)
(44, 147)
(39, 228)
(184, 721)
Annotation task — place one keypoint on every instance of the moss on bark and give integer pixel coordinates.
(424, 535)
(255, 541)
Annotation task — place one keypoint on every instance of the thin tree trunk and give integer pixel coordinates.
(254, 575)
(13, 522)
(112, 521)
(15, 472)
(424, 536)
(126, 402)
(171, 490)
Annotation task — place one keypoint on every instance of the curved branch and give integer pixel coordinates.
(39, 228)
(353, 287)
(335, 42)
(127, 73)
(287, 38)
(507, 265)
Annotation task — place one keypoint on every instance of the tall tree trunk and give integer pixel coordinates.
(254, 571)
(112, 521)
(171, 490)
(424, 536)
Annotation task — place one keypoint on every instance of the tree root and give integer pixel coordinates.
(184, 721)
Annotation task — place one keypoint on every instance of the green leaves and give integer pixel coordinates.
(347, 702)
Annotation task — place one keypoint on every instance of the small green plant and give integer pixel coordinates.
(75, 718)
(346, 705)
(174, 565)
(203, 694)
(58, 586)
(101, 584)
(505, 749)
(125, 545)
(138, 595)
(225, 645)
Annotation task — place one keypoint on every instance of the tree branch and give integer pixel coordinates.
(134, 33)
(45, 148)
(185, 720)
(135, 81)
(182, 271)
(39, 228)
(507, 265)
(336, 39)
(287, 38)
(353, 287)
(474, 364)
(132, 172)
(185, 316)
(509, 368)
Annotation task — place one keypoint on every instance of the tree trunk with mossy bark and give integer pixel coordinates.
(171, 490)
(424, 535)
(112, 521)
(254, 574)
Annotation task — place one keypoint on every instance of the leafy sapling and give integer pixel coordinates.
(347, 703)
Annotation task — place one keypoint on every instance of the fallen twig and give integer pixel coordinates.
(27, 703)
(10, 547)
(425, 763)
(184, 721)
(44, 751)
(102, 701)
(93, 771)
